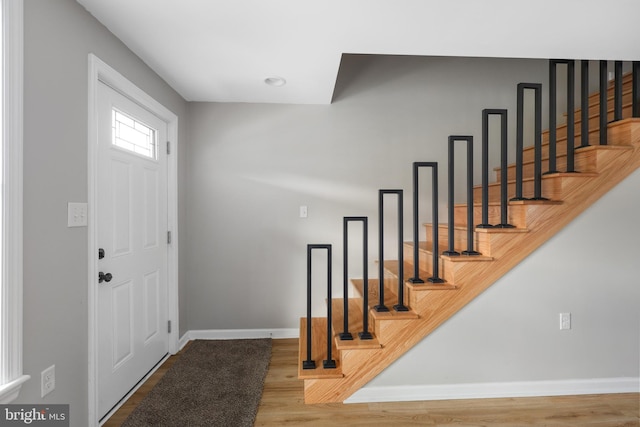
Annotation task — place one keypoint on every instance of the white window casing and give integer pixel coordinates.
(11, 375)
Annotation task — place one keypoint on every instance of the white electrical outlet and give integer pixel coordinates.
(48, 380)
(565, 321)
(303, 211)
(76, 214)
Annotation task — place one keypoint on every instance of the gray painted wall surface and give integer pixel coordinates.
(246, 171)
(59, 35)
(251, 167)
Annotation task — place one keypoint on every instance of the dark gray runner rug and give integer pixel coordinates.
(213, 383)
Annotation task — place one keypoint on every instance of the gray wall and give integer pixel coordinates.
(58, 37)
(250, 167)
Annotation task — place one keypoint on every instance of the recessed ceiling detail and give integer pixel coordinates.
(275, 81)
(211, 50)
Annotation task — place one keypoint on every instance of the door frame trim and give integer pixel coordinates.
(99, 71)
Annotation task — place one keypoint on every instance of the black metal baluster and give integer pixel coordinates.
(538, 143)
(584, 94)
(603, 103)
(309, 363)
(329, 362)
(503, 162)
(571, 116)
(635, 89)
(485, 168)
(365, 334)
(400, 305)
(552, 116)
(434, 230)
(451, 194)
(519, 141)
(381, 307)
(617, 102)
(470, 228)
(416, 227)
(346, 335)
(435, 278)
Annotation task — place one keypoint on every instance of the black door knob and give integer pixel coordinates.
(104, 277)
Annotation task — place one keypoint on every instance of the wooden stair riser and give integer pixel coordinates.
(594, 116)
(594, 97)
(594, 106)
(583, 162)
(446, 271)
(455, 267)
(428, 302)
(625, 133)
(426, 259)
(318, 350)
(552, 187)
(415, 292)
(516, 215)
(378, 320)
(355, 325)
(528, 154)
(387, 329)
(459, 238)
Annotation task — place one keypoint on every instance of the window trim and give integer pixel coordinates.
(11, 374)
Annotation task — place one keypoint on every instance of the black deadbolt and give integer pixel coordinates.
(104, 277)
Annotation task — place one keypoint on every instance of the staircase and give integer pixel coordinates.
(357, 361)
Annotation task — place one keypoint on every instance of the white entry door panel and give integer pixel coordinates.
(132, 231)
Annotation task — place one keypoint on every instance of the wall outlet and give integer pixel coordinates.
(48, 380)
(76, 214)
(565, 321)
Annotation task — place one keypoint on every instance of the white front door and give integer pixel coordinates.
(132, 235)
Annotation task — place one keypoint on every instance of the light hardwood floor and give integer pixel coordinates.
(282, 404)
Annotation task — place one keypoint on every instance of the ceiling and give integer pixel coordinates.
(223, 50)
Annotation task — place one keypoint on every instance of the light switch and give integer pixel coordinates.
(76, 214)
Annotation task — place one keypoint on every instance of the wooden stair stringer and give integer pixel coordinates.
(359, 368)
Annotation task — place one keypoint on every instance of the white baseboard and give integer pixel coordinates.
(495, 390)
(184, 339)
(234, 334)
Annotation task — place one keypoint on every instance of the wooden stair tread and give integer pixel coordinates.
(510, 202)
(570, 175)
(355, 325)
(428, 247)
(390, 299)
(502, 230)
(467, 258)
(392, 266)
(535, 202)
(318, 350)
